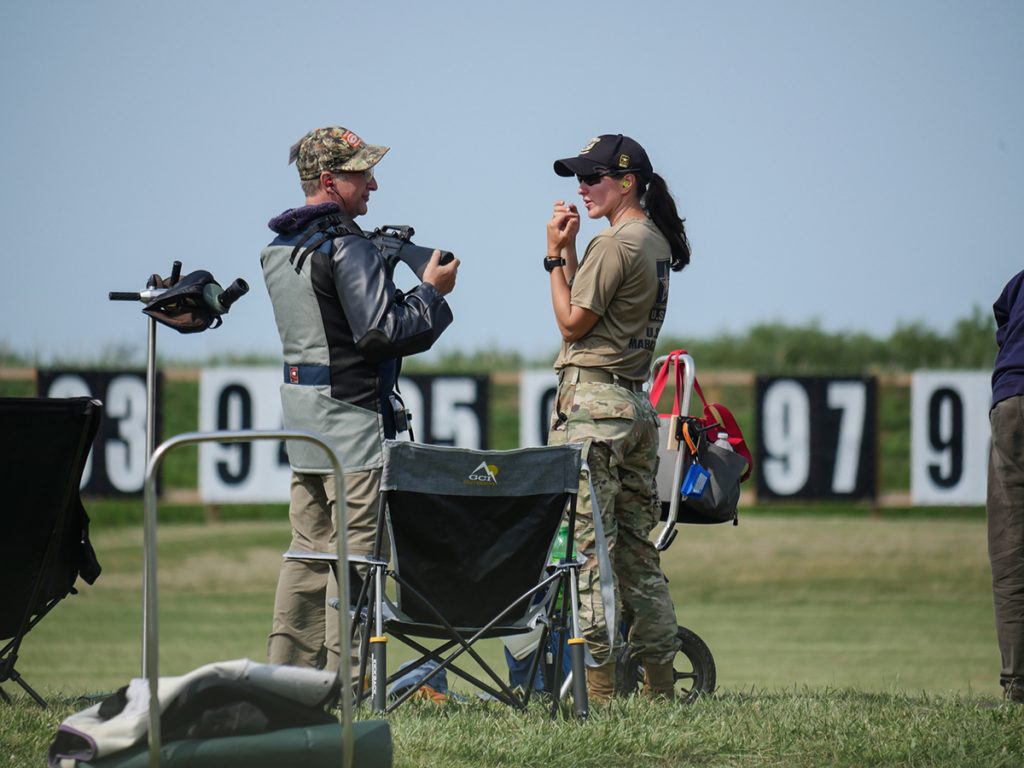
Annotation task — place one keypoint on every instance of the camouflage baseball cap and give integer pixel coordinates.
(333, 149)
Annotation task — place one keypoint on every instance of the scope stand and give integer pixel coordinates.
(147, 296)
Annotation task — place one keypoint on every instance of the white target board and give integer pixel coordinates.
(444, 409)
(235, 399)
(537, 392)
(949, 437)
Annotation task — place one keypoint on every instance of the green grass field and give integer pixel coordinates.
(845, 640)
(783, 602)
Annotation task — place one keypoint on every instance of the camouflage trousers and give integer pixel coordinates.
(619, 431)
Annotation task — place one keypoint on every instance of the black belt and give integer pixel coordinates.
(571, 374)
(308, 375)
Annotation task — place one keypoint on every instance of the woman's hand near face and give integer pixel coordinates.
(573, 322)
(563, 226)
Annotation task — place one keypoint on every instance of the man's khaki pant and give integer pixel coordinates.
(305, 629)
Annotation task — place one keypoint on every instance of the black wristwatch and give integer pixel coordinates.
(551, 263)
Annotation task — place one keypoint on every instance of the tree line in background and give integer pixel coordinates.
(768, 348)
(777, 348)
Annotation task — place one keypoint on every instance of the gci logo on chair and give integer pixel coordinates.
(485, 474)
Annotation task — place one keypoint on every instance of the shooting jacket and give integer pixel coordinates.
(344, 328)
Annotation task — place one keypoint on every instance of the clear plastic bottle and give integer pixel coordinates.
(722, 441)
(558, 551)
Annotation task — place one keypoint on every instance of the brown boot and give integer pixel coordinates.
(659, 680)
(601, 682)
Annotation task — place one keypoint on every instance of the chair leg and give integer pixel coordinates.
(378, 645)
(379, 673)
(580, 702)
(27, 688)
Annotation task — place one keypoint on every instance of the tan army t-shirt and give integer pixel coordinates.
(623, 277)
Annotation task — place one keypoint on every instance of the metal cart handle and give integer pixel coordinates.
(668, 532)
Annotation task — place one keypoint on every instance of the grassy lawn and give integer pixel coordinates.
(783, 602)
(806, 728)
(877, 604)
(846, 640)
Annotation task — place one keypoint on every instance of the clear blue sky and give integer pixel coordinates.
(856, 163)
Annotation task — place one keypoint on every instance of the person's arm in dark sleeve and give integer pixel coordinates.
(385, 322)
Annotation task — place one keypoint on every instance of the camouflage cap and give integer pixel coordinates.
(333, 149)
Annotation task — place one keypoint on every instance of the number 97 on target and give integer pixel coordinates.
(817, 438)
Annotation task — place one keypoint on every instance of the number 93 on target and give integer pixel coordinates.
(117, 462)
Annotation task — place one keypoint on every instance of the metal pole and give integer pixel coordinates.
(151, 657)
(689, 374)
(151, 391)
(150, 613)
(150, 446)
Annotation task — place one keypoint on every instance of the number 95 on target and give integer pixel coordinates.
(817, 438)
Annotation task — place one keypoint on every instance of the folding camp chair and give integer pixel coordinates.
(471, 535)
(46, 547)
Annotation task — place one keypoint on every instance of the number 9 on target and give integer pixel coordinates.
(950, 435)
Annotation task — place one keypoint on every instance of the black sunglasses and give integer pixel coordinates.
(592, 179)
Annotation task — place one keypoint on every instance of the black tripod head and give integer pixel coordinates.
(188, 304)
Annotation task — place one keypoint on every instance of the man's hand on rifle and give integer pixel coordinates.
(442, 277)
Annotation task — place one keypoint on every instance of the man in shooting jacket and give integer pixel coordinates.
(344, 329)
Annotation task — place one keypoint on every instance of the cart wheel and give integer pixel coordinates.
(694, 669)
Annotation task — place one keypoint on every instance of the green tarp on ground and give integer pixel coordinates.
(317, 746)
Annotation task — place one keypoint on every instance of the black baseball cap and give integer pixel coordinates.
(609, 153)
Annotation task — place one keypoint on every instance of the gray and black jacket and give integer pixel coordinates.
(344, 328)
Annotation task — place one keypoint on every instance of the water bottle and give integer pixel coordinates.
(561, 541)
(722, 441)
(558, 552)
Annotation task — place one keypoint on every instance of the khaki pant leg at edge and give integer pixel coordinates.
(305, 632)
(298, 630)
(362, 497)
(1005, 516)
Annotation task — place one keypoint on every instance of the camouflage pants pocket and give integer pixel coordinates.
(559, 421)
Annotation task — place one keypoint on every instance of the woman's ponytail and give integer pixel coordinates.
(658, 202)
